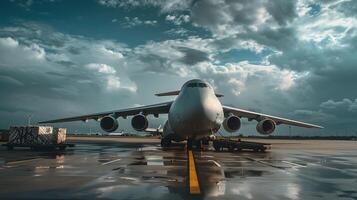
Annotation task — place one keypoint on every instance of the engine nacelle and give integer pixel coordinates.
(109, 123)
(266, 126)
(139, 122)
(232, 123)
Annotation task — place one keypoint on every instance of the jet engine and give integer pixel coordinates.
(232, 123)
(109, 123)
(139, 122)
(266, 126)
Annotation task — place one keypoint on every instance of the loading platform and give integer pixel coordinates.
(238, 145)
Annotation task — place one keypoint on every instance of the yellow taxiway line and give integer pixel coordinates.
(194, 184)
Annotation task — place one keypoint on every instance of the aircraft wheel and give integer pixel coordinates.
(205, 141)
(165, 142)
(217, 147)
(231, 148)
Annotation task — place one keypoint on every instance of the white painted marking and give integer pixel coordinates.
(22, 161)
(215, 162)
(291, 163)
(111, 161)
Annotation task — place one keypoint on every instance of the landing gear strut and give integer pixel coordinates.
(198, 144)
(191, 142)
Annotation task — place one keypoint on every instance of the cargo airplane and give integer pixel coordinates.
(195, 114)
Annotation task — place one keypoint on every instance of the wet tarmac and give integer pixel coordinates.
(133, 171)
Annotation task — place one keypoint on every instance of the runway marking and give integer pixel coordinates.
(295, 164)
(193, 183)
(21, 161)
(215, 162)
(265, 163)
(111, 161)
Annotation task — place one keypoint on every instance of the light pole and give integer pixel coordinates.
(29, 119)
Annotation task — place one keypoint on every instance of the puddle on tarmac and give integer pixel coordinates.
(154, 160)
(158, 160)
(245, 173)
(138, 163)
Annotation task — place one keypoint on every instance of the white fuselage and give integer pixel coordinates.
(196, 112)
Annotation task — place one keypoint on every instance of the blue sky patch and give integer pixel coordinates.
(238, 55)
(314, 9)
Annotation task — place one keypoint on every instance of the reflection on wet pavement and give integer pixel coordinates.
(115, 171)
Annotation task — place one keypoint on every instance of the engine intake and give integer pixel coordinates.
(266, 126)
(109, 123)
(139, 122)
(232, 123)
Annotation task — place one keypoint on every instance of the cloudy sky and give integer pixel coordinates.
(291, 58)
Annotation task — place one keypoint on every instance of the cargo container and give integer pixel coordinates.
(59, 135)
(31, 135)
(37, 137)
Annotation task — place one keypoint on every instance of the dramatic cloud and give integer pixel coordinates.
(343, 105)
(135, 21)
(43, 73)
(165, 6)
(178, 20)
(289, 58)
(101, 68)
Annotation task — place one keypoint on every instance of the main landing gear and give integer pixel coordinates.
(191, 143)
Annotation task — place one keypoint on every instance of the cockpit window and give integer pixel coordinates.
(197, 85)
(192, 85)
(202, 85)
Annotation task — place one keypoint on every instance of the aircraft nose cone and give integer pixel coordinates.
(196, 114)
(203, 115)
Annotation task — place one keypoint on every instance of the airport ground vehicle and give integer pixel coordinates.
(238, 145)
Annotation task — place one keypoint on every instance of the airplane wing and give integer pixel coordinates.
(155, 109)
(278, 120)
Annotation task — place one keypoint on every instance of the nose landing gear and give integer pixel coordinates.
(194, 143)
(165, 142)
